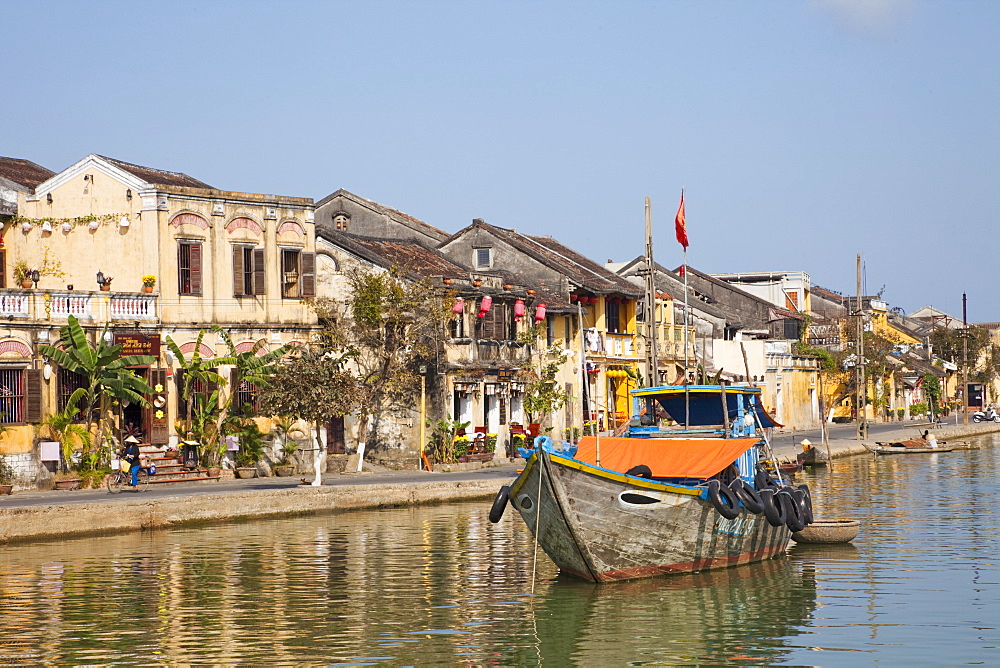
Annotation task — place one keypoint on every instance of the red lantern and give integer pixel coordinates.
(484, 305)
(540, 313)
(459, 306)
(518, 310)
(572, 297)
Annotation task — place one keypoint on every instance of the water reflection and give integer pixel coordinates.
(441, 585)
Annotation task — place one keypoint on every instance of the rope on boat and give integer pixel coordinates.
(538, 514)
(767, 447)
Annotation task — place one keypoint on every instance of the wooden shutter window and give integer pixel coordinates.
(259, 283)
(308, 279)
(238, 272)
(32, 396)
(3, 268)
(195, 259)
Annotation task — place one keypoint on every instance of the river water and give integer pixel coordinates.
(442, 586)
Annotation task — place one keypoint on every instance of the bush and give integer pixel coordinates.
(251, 445)
(918, 409)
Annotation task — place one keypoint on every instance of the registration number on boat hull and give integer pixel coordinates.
(743, 525)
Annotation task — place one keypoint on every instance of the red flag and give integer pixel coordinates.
(680, 224)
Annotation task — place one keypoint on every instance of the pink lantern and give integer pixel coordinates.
(484, 305)
(459, 306)
(518, 310)
(540, 313)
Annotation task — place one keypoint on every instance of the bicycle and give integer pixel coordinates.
(120, 479)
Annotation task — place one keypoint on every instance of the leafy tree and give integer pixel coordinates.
(989, 371)
(878, 367)
(543, 394)
(67, 433)
(311, 384)
(105, 372)
(932, 388)
(948, 344)
(395, 323)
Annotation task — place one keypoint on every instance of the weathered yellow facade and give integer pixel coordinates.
(243, 261)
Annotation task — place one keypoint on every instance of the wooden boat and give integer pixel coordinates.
(790, 467)
(902, 448)
(828, 531)
(812, 457)
(662, 499)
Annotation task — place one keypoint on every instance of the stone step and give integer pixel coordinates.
(156, 479)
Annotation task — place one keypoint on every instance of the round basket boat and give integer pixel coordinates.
(828, 531)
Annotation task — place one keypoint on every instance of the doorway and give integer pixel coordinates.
(335, 436)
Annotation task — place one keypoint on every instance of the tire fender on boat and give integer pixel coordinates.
(499, 504)
(774, 511)
(793, 511)
(724, 499)
(748, 496)
(640, 471)
(762, 480)
(804, 498)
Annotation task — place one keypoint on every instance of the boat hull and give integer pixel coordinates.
(880, 449)
(604, 526)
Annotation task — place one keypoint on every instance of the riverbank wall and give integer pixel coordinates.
(57, 521)
(52, 519)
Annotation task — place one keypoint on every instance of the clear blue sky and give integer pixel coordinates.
(803, 132)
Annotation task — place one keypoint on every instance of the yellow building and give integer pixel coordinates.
(243, 261)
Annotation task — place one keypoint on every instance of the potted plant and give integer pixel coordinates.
(104, 282)
(251, 450)
(6, 476)
(148, 281)
(22, 274)
(285, 467)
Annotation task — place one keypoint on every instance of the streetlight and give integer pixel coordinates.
(423, 411)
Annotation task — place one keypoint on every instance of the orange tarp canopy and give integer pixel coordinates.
(665, 457)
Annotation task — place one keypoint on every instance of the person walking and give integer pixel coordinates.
(131, 455)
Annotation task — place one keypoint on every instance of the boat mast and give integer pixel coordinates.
(652, 363)
(687, 332)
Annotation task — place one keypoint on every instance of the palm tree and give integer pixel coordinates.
(105, 374)
(197, 372)
(67, 433)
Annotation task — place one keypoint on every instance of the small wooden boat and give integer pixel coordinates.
(790, 467)
(662, 499)
(903, 448)
(828, 531)
(812, 457)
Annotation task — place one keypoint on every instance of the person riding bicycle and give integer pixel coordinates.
(131, 454)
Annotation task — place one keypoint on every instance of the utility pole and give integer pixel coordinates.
(859, 368)
(965, 364)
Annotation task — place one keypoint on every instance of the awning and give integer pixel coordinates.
(665, 457)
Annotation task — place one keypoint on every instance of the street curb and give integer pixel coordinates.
(120, 516)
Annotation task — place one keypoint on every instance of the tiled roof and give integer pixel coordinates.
(24, 172)
(426, 228)
(159, 176)
(579, 269)
(407, 255)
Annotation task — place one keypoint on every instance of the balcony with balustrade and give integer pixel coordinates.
(36, 307)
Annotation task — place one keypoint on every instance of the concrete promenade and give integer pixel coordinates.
(53, 515)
